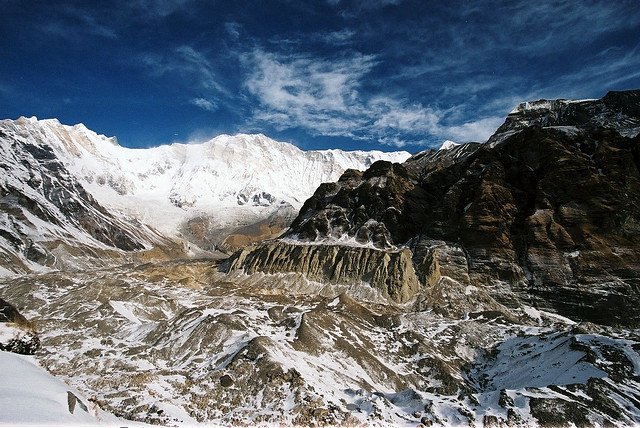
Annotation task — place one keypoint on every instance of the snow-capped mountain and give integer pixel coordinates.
(201, 192)
(47, 218)
(476, 285)
(619, 110)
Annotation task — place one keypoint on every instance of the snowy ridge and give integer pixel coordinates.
(619, 110)
(448, 144)
(546, 104)
(47, 217)
(235, 176)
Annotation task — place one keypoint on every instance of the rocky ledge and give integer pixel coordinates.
(390, 272)
(16, 333)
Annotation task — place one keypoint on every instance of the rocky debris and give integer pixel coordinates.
(228, 350)
(204, 231)
(16, 333)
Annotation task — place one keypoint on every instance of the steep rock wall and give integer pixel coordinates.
(391, 272)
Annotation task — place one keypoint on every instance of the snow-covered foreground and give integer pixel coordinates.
(30, 396)
(180, 343)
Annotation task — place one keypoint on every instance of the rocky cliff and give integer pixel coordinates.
(391, 271)
(549, 216)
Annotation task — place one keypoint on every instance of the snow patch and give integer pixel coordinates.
(448, 144)
(31, 396)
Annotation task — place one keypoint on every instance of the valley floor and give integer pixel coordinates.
(181, 343)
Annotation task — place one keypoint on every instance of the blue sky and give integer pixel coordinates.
(376, 74)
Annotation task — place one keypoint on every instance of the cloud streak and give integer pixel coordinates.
(77, 23)
(324, 97)
(187, 64)
(204, 104)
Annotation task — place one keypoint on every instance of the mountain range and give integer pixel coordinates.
(66, 187)
(244, 281)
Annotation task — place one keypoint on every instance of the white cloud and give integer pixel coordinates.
(317, 94)
(479, 130)
(204, 104)
(323, 97)
(392, 115)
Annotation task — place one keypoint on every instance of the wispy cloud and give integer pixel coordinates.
(204, 104)
(337, 38)
(233, 29)
(75, 23)
(158, 8)
(189, 64)
(324, 97)
(415, 120)
(318, 94)
(608, 69)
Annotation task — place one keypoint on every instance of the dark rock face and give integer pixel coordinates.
(364, 205)
(547, 215)
(25, 340)
(8, 313)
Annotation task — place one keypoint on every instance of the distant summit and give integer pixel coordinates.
(64, 186)
(619, 110)
(448, 144)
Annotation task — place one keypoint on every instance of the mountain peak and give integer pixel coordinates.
(448, 144)
(617, 110)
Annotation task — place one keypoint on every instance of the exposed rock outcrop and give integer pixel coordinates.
(392, 273)
(550, 216)
(617, 110)
(16, 333)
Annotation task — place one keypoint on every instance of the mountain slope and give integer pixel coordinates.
(65, 187)
(426, 292)
(618, 110)
(180, 343)
(46, 214)
(547, 216)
